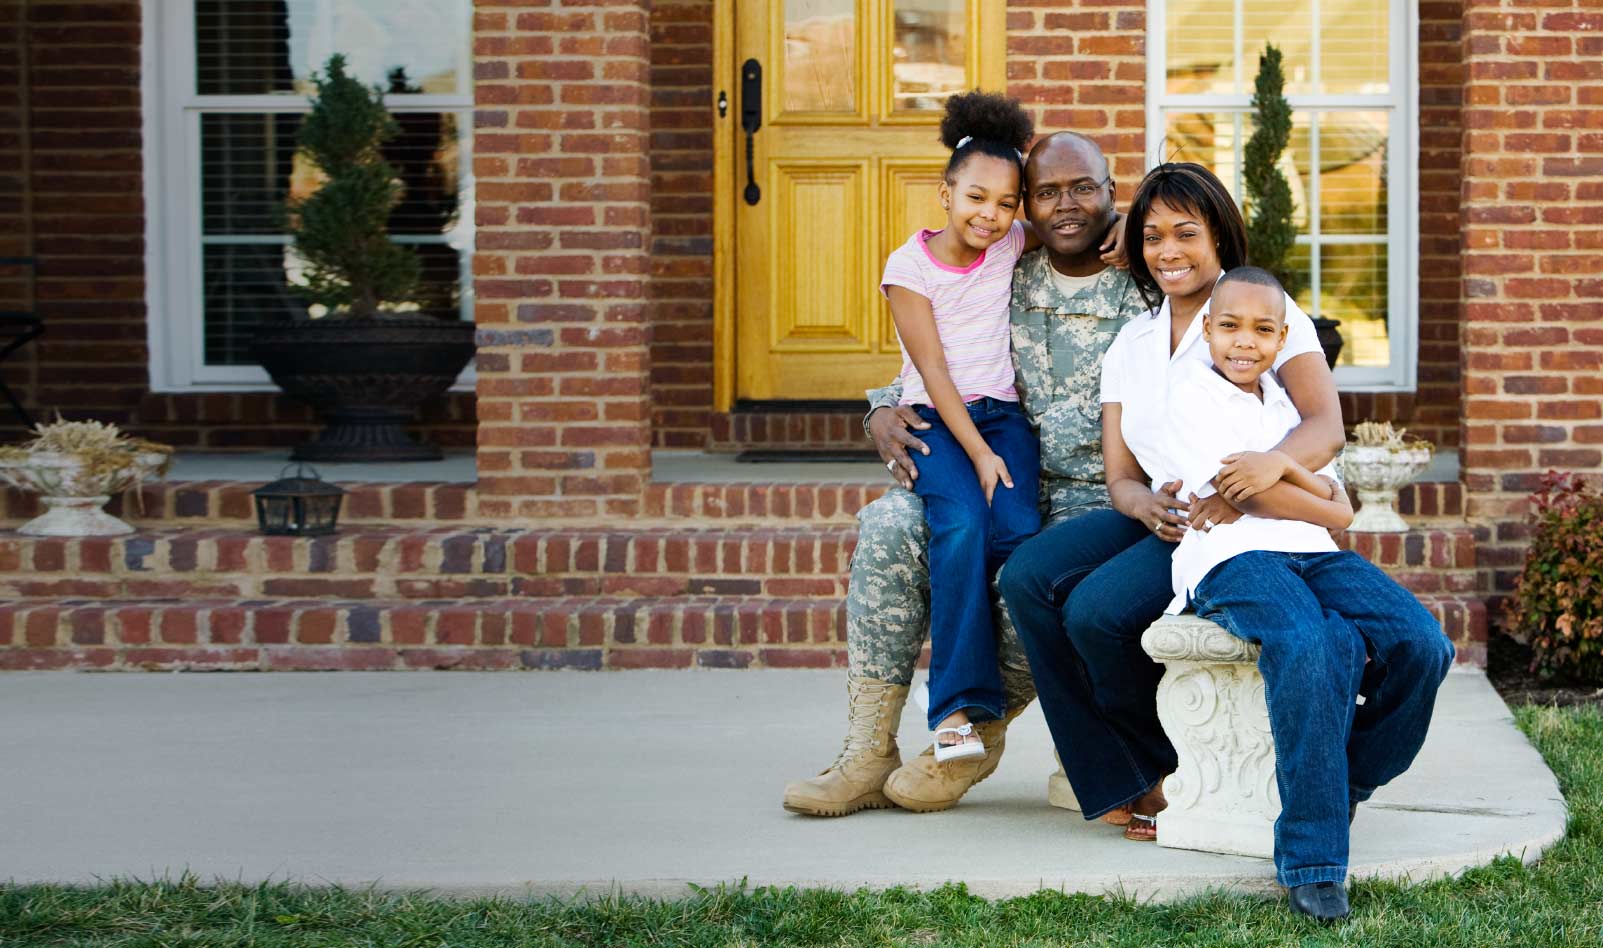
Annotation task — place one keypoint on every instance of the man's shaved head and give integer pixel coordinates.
(1069, 142)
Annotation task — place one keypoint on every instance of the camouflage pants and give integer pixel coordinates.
(887, 603)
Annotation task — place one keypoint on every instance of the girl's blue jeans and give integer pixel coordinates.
(969, 541)
(1317, 617)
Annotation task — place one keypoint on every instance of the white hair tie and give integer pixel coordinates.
(968, 138)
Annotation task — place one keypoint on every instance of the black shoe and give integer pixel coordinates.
(1325, 901)
(1352, 813)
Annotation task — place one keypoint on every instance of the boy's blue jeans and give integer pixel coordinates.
(969, 541)
(1317, 616)
(1080, 594)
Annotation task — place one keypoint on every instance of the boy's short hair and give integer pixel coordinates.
(1255, 276)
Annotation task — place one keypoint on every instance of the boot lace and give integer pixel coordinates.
(865, 706)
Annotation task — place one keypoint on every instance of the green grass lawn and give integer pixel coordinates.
(1559, 902)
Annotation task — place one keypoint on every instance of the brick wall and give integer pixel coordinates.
(681, 221)
(16, 291)
(1081, 66)
(562, 93)
(1533, 259)
(1432, 410)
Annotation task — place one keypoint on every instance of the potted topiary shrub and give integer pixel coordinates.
(1271, 233)
(365, 366)
(75, 467)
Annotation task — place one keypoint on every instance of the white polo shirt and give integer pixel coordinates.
(1138, 366)
(1209, 418)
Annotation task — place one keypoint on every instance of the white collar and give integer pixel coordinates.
(1273, 391)
(1160, 318)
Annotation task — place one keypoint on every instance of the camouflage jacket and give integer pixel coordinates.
(1058, 344)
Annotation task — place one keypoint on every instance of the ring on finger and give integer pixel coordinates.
(1207, 524)
(890, 465)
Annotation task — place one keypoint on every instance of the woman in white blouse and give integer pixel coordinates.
(1082, 592)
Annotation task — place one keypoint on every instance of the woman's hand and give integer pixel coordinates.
(1246, 473)
(1113, 245)
(888, 426)
(1211, 511)
(1162, 512)
(992, 469)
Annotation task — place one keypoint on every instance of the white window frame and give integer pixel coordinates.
(174, 282)
(1402, 171)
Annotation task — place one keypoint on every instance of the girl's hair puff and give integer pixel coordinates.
(993, 125)
(1186, 186)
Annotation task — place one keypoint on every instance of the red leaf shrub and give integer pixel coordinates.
(1557, 606)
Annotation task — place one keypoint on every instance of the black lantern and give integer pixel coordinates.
(298, 506)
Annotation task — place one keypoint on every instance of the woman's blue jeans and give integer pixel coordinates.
(1317, 616)
(969, 541)
(1080, 594)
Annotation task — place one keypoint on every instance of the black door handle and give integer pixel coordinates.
(751, 119)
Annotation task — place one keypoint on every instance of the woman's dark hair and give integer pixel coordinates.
(1191, 187)
(993, 124)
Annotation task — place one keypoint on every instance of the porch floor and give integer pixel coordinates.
(668, 466)
(470, 783)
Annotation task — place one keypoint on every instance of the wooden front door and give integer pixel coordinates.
(844, 162)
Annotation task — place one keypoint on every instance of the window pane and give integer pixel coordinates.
(249, 166)
(929, 55)
(1354, 40)
(820, 73)
(1300, 263)
(1211, 139)
(1290, 26)
(1352, 288)
(246, 165)
(1201, 40)
(246, 287)
(259, 47)
(1352, 173)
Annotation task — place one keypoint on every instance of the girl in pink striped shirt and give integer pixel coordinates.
(949, 292)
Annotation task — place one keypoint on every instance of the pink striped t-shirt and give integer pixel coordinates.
(971, 314)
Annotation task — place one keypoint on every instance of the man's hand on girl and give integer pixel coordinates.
(1210, 512)
(991, 470)
(888, 427)
(1246, 473)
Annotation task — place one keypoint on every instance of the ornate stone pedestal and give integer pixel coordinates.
(1223, 797)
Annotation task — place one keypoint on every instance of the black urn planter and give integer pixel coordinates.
(366, 378)
(1329, 339)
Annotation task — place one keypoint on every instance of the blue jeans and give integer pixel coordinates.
(969, 541)
(1080, 594)
(1317, 617)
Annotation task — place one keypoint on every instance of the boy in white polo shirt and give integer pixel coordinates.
(1274, 577)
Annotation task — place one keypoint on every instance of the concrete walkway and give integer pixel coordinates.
(555, 782)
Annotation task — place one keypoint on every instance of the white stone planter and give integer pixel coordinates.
(75, 495)
(1376, 472)
(1223, 797)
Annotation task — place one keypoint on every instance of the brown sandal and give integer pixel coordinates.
(1142, 828)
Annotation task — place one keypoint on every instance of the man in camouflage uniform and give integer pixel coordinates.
(1066, 308)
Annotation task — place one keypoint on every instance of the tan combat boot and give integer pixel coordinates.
(924, 786)
(854, 781)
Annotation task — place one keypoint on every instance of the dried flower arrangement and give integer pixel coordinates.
(1381, 434)
(103, 448)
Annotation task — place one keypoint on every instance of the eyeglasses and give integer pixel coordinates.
(1080, 192)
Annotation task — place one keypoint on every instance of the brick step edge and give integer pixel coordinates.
(586, 634)
(231, 502)
(450, 562)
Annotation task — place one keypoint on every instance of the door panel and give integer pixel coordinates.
(846, 162)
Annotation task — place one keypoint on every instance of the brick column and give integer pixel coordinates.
(1533, 260)
(561, 276)
(1080, 66)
